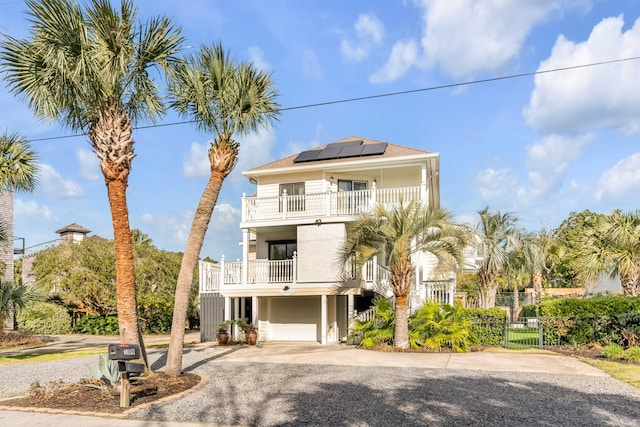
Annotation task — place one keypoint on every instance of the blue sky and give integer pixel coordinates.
(538, 146)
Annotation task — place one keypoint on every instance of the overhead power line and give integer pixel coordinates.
(384, 95)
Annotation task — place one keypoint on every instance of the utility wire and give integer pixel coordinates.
(384, 95)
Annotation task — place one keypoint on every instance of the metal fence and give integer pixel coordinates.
(622, 329)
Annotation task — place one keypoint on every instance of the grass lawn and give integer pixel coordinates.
(520, 338)
(626, 372)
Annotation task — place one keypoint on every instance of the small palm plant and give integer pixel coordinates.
(436, 326)
(379, 329)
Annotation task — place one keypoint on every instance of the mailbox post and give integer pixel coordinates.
(122, 354)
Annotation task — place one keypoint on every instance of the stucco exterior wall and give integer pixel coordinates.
(318, 252)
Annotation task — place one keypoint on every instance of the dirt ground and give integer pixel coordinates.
(82, 398)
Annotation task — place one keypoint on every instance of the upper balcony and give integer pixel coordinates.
(257, 210)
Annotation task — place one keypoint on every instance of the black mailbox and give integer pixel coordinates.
(124, 351)
(130, 367)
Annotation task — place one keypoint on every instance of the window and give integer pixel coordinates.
(352, 202)
(282, 250)
(295, 196)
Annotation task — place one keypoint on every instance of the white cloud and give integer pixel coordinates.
(254, 151)
(403, 55)
(548, 161)
(170, 231)
(256, 56)
(464, 37)
(369, 34)
(496, 185)
(31, 208)
(89, 165)
(622, 180)
(604, 95)
(52, 185)
(197, 164)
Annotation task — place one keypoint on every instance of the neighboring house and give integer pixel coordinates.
(289, 283)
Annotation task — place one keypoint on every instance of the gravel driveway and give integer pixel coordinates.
(277, 394)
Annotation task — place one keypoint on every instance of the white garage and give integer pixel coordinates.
(293, 318)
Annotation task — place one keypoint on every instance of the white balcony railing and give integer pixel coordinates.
(228, 275)
(256, 209)
(215, 277)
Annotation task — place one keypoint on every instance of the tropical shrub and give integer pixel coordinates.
(613, 351)
(44, 318)
(432, 327)
(436, 326)
(377, 331)
(97, 325)
(632, 354)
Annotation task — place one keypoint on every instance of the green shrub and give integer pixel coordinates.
(529, 310)
(632, 354)
(613, 351)
(379, 330)
(44, 318)
(487, 325)
(97, 325)
(157, 324)
(435, 326)
(589, 307)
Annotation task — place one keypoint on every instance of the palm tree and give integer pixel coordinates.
(225, 98)
(398, 234)
(14, 297)
(613, 247)
(497, 236)
(18, 172)
(90, 67)
(525, 264)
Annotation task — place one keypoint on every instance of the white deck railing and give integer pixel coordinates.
(213, 277)
(256, 209)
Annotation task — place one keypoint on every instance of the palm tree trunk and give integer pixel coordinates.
(187, 268)
(125, 278)
(537, 285)
(223, 156)
(629, 284)
(401, 332)
(515, 303)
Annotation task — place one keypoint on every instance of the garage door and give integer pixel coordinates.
(294, 318)
(293, 332)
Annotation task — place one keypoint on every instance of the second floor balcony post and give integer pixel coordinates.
(244, 207)
(295, 268)
(245, 256)
(374, 187)
(222, 275)
(424, 190)
(284, 204)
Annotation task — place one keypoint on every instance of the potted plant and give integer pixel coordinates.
(250, 333)
(223, 333)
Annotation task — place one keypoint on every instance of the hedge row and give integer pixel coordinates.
(487, 324)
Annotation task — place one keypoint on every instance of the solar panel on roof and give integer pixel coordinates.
(351, 151)
(306, 156)
(357, 142)
(373, 149)
(329, 152)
